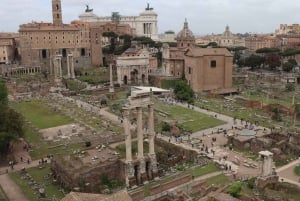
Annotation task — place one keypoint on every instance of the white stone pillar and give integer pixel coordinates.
(126, 126)
(140, 133)
(111, 87)
(68, 67)
(151, 128)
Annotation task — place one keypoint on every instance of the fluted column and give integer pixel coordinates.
(140, 132)
(151, 128)
(68, 67)
(127, 134)
(111, 86)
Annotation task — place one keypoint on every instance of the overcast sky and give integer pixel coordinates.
(204, 16)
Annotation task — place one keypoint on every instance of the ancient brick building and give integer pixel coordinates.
(205, 69)
(8, 51)
(41, 42)
(208, 68)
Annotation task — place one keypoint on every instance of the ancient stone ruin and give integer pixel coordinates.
(144, 168)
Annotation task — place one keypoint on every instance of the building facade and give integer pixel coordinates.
(205, 69)
(133, 66)
(145, 24)
(8, 48)
(255, 42)
(208, 69)
(41, 42)
(173, 57)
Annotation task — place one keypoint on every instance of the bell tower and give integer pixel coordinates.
(56, 12)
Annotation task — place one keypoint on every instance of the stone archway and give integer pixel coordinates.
(143, 78)
(134, 76)
(125, 81)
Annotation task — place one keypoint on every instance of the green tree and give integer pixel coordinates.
(287, 67)
(183, 91)
(235, 189)
(290, 52)
(3, 93)
(11, 122)
(254, 61)
(290, 87)
(11, 127)
(267, 50)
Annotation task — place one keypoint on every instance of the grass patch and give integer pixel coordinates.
(41, 116)
(42, 149)
(189, 119)
(297, 170)
(200, 171)
(3, 196)
(37, 174)
(218, 180)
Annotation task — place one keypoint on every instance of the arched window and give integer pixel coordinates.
(57, 7)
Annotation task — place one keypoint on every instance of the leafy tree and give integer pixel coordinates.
(11, 122)
(254, 61)
(183, 91)
(11, 127)
(3, 93)
(145, 41)
(267, 50)
(235, 189)
(290, 87)
(293, 61)
(272, 60)
(287, 67)
(290, 52)
(165, 127)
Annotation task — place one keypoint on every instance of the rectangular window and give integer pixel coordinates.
(82, 52)
(213, 63)
(190, 70)
(44, 54)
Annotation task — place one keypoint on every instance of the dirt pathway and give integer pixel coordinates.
(11, 189)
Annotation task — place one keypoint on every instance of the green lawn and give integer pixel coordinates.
(200, 171)
(40, 115)
(187, 118)
(3, 197)
(218, 180)
(37, 174)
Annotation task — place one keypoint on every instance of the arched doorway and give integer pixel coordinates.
(143, 78)
(125, 80)
(134, 76)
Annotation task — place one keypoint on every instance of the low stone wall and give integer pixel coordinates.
(71, 178)
(174, 183)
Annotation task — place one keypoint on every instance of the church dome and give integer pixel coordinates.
(185, 32)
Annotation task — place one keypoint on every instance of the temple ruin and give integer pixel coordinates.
(143, 168)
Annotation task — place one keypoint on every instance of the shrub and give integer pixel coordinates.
(165, 127)
(251, 183)
(235, 189)
(88, 144)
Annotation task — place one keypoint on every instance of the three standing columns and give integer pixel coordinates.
(141, 168)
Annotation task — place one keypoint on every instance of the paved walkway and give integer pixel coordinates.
(11, 189)
(286, 173)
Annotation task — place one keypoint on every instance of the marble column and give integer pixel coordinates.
(151, 128)
(111, 87)
(70, 66)
(140, 132)
(126, 126)
(153, 173)
(129, 169)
